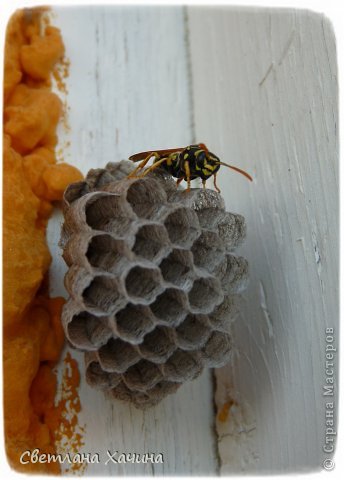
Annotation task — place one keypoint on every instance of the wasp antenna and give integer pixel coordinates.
(237, 170)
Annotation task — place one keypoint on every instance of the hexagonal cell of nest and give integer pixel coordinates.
(142, 376)
(177, 268)
(161, 389)
(231, 229)
(205, 295)
(97, 378)
(182, 227)
(110, 214)
(151, 242)
(133, 322)
(105, 252)
(209, 217)
(182, 366)
(143, 284)
(88, 332)
(117, 356)
(122, 392)
(119, 170)
(222, 317)
(140, 399)
(98, 178)
(145, 196)
(104, 294)
(217, 349)
(235, 277)
(199, 200)
(208, 250)
(74, 191)
(158, 345)
(193, 332)
(170, 307)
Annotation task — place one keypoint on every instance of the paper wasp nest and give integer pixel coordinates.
(151, 279)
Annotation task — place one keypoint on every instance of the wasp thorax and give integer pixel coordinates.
(153, 281)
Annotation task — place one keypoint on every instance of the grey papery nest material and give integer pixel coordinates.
(152, 281)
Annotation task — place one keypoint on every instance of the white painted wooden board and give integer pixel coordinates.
(265, 97)
(259, 87)
(129, 92)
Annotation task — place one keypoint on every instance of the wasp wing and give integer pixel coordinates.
(162, 153)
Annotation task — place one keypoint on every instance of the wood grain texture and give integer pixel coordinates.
(265, 99)
(128, 92)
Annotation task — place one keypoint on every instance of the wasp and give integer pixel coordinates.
(185, 163)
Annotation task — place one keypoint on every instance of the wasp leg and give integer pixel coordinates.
(143, 163)
(179, 181)
(216, 187)
(154, 166)
(187, 174)
(203, 183)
